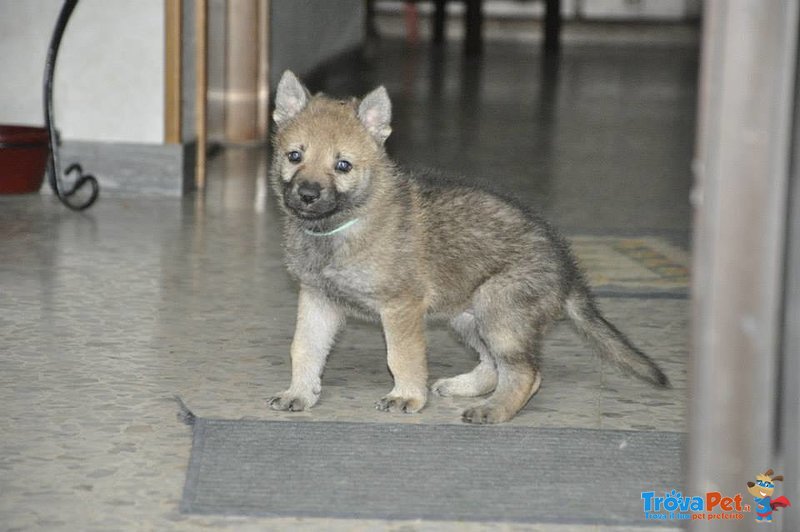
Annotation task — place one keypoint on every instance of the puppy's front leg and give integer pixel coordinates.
(404, 330)
(318, 321)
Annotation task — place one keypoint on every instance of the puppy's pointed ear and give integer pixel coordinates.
(290, 98)
(375, 112)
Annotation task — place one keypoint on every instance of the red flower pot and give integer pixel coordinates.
(23, 158)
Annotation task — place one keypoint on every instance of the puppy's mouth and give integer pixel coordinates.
(313, 212)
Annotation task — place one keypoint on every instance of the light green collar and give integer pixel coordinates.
(332, 231)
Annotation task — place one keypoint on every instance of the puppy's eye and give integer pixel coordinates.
(343, 166)
(294, 156)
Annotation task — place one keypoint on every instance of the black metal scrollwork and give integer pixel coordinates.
(80, 180)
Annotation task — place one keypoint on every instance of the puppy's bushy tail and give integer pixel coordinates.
(609, 342)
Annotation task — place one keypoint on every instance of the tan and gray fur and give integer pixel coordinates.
(419, 247)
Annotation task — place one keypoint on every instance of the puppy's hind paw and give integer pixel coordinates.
(443, 388)
(485, 414)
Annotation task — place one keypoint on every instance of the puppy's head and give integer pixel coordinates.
(326, 151)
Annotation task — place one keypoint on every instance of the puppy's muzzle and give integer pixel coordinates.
(309, 199)
(308, 192)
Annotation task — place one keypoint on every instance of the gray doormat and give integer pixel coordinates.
(435, 472)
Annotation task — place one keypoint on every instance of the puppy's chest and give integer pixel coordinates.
(347, 281)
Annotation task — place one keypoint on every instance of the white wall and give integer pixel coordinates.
(665, 10)
(110, 71)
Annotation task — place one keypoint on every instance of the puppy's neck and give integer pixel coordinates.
(340, 229)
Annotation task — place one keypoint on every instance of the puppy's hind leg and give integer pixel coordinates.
(483, 378)
(518, 380)
(511, 321)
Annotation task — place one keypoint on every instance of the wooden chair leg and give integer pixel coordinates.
(412, 22)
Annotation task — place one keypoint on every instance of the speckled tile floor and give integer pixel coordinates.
(105, 315)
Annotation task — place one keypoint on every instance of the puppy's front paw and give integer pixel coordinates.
(399, 403)
(292, 402)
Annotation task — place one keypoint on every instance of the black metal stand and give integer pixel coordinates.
(552, 26)
(473, 22)
(64, 194)
(473, 27)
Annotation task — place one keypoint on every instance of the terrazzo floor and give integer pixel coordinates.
(106, 315)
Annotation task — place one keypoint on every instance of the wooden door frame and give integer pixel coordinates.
(746, 102)
(175, 90)
(173, 34)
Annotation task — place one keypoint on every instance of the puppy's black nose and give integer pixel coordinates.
(309, 192)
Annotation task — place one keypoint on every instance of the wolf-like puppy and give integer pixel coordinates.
(366, 239)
